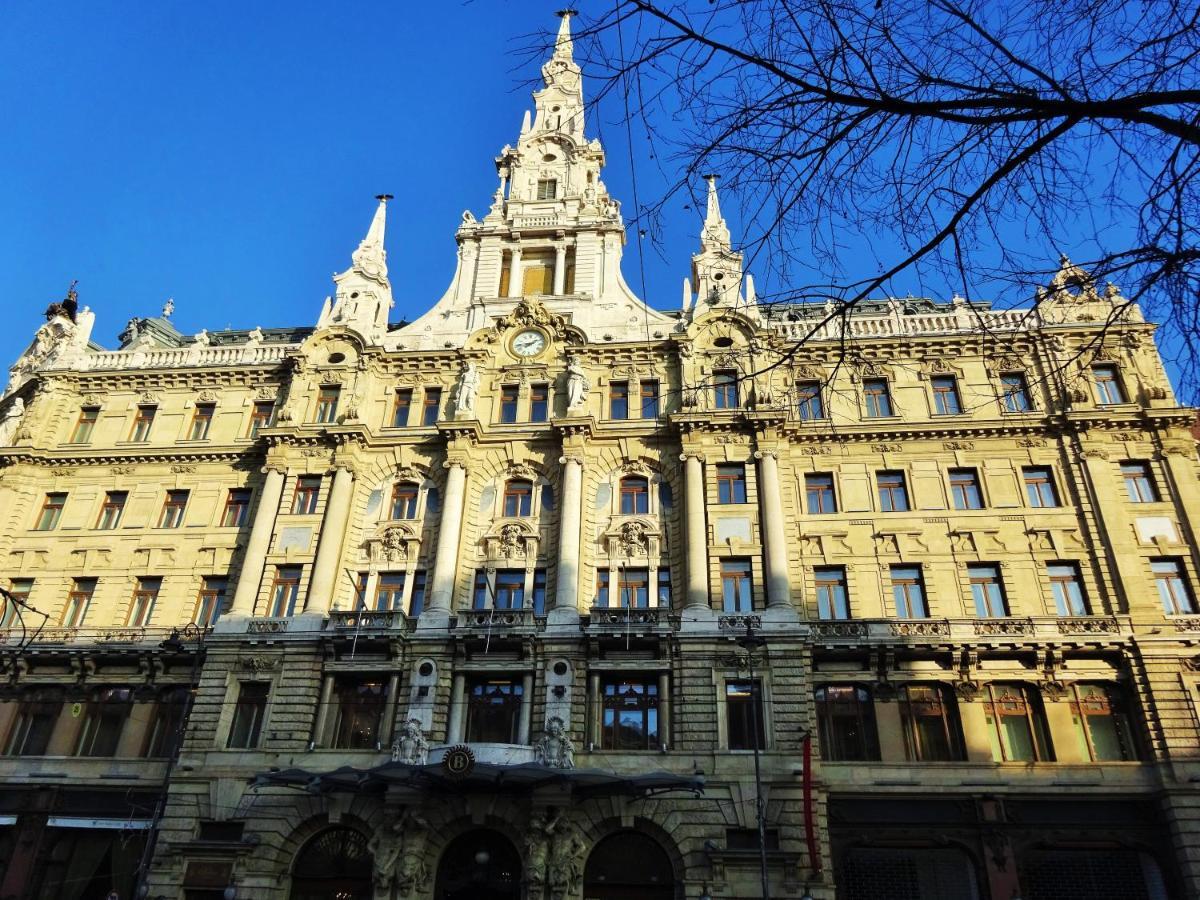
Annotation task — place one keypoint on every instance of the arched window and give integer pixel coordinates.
(1101, 723)
(635, 495)
(404, 500)
(518, 497)
(1017, 724)
(930, 719)
(335, 864)
(846, 723)
(629, 864)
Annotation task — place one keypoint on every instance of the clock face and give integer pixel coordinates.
(529, 343)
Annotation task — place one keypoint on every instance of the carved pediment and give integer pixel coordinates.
(394, 543)
(634, 539)
(511, 540)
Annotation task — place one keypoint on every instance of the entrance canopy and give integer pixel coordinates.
(485, 778)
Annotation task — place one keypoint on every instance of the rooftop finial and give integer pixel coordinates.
(168, 308)
(715, 232)
(563, 47)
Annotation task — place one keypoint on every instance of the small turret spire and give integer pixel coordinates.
(715, 234)
(364, 294)
(564, 47)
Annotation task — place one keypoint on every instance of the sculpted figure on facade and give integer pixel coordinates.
(566, 860)
(632, 539)
(10, 420)
(555, 749)
(385, 846)
(399, 853)
(468, 387)
(577, 384)
(537, 854)
(410, 746)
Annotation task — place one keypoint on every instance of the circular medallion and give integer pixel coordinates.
(458, 762)
(530, 342)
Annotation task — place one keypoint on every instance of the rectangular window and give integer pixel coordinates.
(1174, 592)
(19, 590)
(52, 508)
(173, 508)
(547, 188)
(846, 723)
(629, 710)
(1067, 588)
(308, 489)
(85, 425)
(634, 588)
(635, 496)
(518, 497)
(358, 713)
(833, 601)
(404, 500)
(946, 401)
(327, 403)
(111, 510)
(262, 416)
(618, 400)
(78, 600)
(163, 735)
(539, 402)
(401, 407)
(1016, 724)
(285, 590)
(416, 601)
(908, 592)
(1139, 482)
(893, 492)
(493, 711)
(145, 595)
(1014, 392)
(389, 591)
(431, 405)
(877, 399)
(201, 421)
(237, 508)
(737, 588)
(211, 601)
(929, 718)
(602, 583)
(539, 592)
(731, 483)
(987, 591)
(248, 715)
(744, 715)
(509, 394)
(142, 423)
(510, 589)
(664, 588)
(1101, 724)
(1108, 385)
(1039, 486)
(965, 490)
(811, 405)
(37, 714)
(103, 720)
(649, 391)
(725, 389)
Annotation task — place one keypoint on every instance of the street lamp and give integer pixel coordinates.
(751, 642)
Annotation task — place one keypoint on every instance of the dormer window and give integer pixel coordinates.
(547, 188)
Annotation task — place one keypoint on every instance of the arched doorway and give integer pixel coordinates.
(334, 865)
(479, 865)
(629, 865)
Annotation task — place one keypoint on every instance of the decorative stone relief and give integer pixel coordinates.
(410, 746)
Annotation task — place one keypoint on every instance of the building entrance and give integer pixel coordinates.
(628, 865)
(479, 865)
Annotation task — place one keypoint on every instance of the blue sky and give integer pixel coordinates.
(226, 155)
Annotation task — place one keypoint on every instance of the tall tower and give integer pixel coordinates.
(552, 232)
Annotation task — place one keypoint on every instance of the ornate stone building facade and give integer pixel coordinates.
(500, 603)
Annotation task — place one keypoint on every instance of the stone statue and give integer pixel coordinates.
(566, 860)
(577, 384)
(67, 307)
(537, 853)
(10, 420)
(468, 386)
(385, 845)
(555, 749)
(410, 746)
(398, 851)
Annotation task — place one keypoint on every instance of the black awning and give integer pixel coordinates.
(484, 778)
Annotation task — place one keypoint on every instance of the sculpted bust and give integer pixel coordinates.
(555, 749)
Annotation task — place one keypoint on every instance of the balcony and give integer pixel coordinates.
(343, 621)
(625, 620)
(492, 621)
(84, 635)
(1068, 629)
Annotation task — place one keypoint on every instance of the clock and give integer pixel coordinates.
(529, 343)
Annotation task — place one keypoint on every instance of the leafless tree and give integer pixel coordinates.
(963, 142)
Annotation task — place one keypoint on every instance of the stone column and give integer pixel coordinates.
(458, 713)
(566, 589)
(523, 723)
(1119, 543)
(596, 711)
(515, 278)
(388, 727)
(1180, 458)
(329, 547)
(255, 556)
(560, 269)
(445, 566)
(774, 541)
(664, 710)
(697, 535)
(318, 735)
